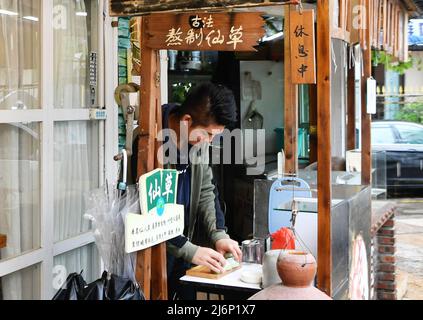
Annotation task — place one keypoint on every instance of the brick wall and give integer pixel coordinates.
(383, 282)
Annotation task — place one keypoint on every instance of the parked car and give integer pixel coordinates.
(403, 144)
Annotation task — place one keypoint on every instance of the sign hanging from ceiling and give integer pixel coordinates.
(303, 58)
(204, 31)
(124, 8)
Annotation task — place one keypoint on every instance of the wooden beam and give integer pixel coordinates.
(126, 8)
(324, 275)
(405, 30)
(385, 24)
(150, 102)
(143, 271)
(351, 126)
(3, 241)
(159, 273)
(158, 254)
(366, 119)
(290, 105)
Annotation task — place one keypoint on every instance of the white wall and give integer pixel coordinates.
(271, 76)
(414, 77)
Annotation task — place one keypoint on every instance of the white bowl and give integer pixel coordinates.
(252, 277)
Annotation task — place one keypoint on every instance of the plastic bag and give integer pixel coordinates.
(73, 289)
(283, 239)
(107, 209)
(108, 287)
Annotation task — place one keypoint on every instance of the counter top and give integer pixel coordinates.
(232, 280)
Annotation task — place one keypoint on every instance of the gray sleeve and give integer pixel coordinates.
(207, 208)
(187, 251)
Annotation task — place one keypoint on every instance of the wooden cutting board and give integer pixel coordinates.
(204, 272)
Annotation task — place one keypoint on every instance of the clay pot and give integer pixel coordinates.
(296, 269)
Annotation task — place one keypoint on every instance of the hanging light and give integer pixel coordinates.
(30, 18)
(273, 36)
(7, 12)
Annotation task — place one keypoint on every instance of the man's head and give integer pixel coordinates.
(207, 110)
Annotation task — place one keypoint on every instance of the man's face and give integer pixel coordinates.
(200, 134)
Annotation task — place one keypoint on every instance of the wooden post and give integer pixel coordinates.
(150, 103)
(351, 135)
(158, 255)
(366, 119)
(324, 275)
(3, 241)
(290, 105)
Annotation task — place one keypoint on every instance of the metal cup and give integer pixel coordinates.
(253, 251)
(259, 248)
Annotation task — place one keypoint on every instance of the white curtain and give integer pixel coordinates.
(19, 55)
(75, 143)
(19, 145)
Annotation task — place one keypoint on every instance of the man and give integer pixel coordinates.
(207, 110)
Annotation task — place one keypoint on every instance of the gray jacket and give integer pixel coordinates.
(202, 209)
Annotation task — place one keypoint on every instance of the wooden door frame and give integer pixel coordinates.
(150, 120)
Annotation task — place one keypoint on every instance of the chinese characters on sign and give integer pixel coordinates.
(145, 231)
(205, 31)
(159, 189)
(161, 219)
(302, 43)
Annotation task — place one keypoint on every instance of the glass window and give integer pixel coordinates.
(20, 45)
(20, 188)
(410, 134)
(76, 172)
(75, 38)
(382, 135)
(85, 259)
(21, 285)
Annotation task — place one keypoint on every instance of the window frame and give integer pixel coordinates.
(47, 116)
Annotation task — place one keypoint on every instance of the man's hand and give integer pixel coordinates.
(209, 258)
(228, 245)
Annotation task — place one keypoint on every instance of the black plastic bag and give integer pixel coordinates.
(108, 287)
(73, 288)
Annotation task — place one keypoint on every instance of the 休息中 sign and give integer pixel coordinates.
(161, 218)
(204, 31)
(303, 60)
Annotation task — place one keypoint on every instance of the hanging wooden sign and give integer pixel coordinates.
(124, 8)
(303, 60)
(204, 31)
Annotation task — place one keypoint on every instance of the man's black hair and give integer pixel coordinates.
(208, 104)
